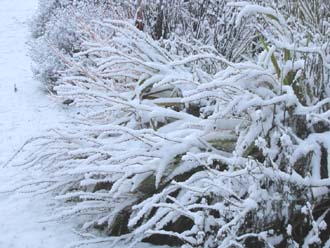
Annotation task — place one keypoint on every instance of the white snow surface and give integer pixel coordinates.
(23, 114)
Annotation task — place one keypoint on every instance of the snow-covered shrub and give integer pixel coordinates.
(187, 25)
(166, 148)
(183, 27)
(57, 28)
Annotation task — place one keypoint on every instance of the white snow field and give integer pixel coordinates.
(23, 114)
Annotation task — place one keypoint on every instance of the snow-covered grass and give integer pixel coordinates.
(25, 112)
(233, 156)
(169, 148)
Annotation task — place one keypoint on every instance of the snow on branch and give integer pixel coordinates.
(167, 147)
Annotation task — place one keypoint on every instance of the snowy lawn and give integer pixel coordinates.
(24, 113)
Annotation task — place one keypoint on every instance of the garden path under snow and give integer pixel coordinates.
(23, 114)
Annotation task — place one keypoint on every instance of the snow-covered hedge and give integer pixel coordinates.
(59, 26)
(232, 156)
(182, 27)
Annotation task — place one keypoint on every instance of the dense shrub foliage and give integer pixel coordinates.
(61, 26)
(209, 128)
(182, 27)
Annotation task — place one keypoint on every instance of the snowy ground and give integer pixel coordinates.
(23, 114)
